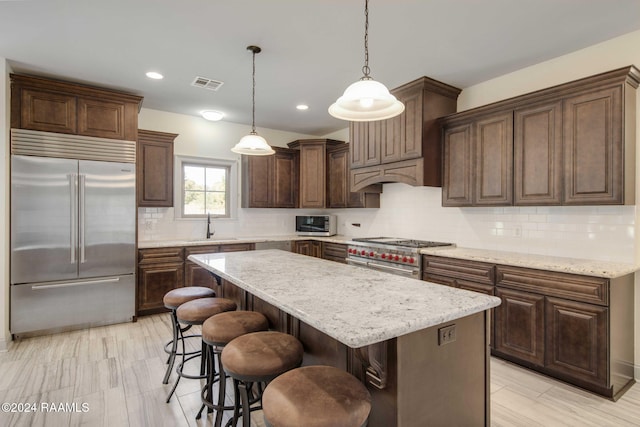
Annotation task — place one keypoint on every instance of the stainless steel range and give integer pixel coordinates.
(390, 254)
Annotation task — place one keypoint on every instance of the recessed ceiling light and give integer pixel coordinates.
(154, 75)
(302, 107)
(214, 116)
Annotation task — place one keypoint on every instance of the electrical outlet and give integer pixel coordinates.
(446, 334)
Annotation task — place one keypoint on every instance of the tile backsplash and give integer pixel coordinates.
(592, 232)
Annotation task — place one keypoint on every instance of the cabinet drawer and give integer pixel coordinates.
(194, 250)
(574, 287)
(157, 255)
(334, 252)
(464, 270)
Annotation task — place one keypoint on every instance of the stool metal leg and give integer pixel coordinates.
(222, 385)
(174, 346)
(246, 406)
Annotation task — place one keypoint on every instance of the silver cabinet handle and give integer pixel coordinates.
(72, 284)
(82, 180)
(73, 209)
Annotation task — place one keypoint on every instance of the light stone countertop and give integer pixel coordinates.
(221, 240)
(605, 269)
(353, 305)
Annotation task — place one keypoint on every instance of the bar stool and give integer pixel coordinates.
(258, 357)
(172, 300)
(218, 331)
(316, 396)
(195, 312)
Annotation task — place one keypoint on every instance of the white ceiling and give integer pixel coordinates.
(311, 49)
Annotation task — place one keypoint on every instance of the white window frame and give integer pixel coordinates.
(178, 191)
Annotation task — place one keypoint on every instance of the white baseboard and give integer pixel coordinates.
(4, 346)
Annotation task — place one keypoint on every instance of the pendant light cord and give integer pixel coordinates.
(365, 68)
(253, 95)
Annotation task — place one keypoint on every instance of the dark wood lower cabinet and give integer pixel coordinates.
(572, 327)
(576, 341)
(334, 252)
(519, 326)
(309, 248)
(163, 269)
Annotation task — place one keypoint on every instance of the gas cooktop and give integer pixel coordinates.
(396, 241)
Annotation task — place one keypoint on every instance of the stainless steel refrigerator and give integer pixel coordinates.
(72, 243)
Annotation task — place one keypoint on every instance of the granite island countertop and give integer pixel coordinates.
(587, 267)
(353, 305)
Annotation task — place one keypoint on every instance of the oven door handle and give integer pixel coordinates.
(388, 267)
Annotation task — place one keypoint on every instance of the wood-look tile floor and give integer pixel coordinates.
(117, 371)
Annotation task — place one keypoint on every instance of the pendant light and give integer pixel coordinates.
(366, 100)
(253, 144)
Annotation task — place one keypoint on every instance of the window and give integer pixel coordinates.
(206, 187)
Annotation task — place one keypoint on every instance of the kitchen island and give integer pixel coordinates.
(422, 349)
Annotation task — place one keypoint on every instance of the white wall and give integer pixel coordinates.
(4, 203)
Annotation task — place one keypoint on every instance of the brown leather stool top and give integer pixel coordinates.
(196, 311)
(175, 297)
(220, 329)
(316, 396)
(261, 356)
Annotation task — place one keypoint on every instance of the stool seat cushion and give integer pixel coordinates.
(316, 396)
(224, 327)
(198, 310)
(261, 355)
(175, 297)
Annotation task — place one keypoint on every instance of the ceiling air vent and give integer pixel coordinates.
(206, 83)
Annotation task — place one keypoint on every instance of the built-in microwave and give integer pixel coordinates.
(316, 225)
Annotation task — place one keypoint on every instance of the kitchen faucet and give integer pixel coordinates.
(209, 232)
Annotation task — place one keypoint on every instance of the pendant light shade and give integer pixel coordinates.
(253, 144)
(366, 100)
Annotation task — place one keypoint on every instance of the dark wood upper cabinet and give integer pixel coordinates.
(56, 106)
(405, 148)
(572, 144)
(324, 177)
(313, 170)
(594, 135)
(493, 140)
(154, 168)
(271, 181)
(339, 194)
(537, 154)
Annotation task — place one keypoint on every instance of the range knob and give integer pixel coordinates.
(350, 250)
(396, 258)
(372, 253)
(411, 260)
(363, 252)
(383, 256)
(404, 259)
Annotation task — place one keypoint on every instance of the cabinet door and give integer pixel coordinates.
(48, 111)
(194, 275)
(593, 147)
(519, 326)
(359, 136)
(537, 147)
(457, 189)
(257, 179)
(154, 169)
(576, 340)
(493, 152)
(102, 119)
(338, 182)
(155, 280)
(410, 123)
(309, 248)
(313, 176)
(285, 180)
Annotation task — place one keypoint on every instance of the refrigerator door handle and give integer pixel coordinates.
(81, 215)
(73, 208)
(71, 284)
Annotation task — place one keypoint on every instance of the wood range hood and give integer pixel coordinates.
(406, 148)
